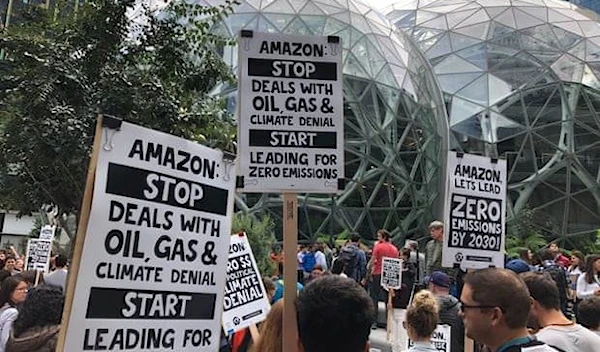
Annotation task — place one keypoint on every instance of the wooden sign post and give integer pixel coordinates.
(290, 244)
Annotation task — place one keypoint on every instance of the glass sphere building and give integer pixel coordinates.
(521, 82)
(394, 119)
(518, 80)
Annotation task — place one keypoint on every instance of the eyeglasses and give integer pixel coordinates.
(463, 307)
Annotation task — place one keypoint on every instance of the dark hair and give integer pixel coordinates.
(543, 289)
(9, 257)
(405, 252)
(504, 289)
(581, 258)
(334, 314)
(524, 255)
(29, 277)
(3, 273)
(43, 307)
(546, 254)
(589, 267)
(338, 266)
(422, 315)
(589, 312)
(354, 237)
(384, 234)
(7, 288)
(60, 261)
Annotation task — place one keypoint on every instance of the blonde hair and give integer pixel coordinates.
(422, 315)
(271, 330)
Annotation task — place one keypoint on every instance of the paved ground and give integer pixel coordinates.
(378, 341)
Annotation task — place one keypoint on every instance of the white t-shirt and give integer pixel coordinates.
(586, 290)
(569, 337)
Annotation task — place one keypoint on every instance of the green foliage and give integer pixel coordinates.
(521, 233)
(62, 68)
(261, 238)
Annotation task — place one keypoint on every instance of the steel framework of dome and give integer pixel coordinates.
(521, 82)
(394, 119)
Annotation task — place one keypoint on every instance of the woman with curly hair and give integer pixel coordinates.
(421, 321)
(36, 328)
(13, 292)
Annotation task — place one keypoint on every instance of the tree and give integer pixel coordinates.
(522, 233)
(261, 238)
(63, 67)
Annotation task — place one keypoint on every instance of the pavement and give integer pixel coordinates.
(378, 339)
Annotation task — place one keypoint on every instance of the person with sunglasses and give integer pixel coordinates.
(495, 306)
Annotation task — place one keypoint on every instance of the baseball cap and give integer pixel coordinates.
(438, 278)
(518, 266)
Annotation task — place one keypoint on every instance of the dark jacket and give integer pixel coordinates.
(36, 339)
(449, 309)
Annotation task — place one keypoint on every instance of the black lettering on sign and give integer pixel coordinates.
(243, 283)
(115, 303)
(165, 189)
(104, 339)
(475, 223)
(292, 139)
(324, 71)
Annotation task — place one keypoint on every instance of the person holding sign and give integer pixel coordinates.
(383, 248)
(421, 321)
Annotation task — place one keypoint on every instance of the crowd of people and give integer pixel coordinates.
(543, 301)
(31, 304)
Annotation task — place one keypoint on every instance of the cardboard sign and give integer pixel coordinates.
(291, 117)
(152, 268)
(38, 255)
(47, 233)
(246, 301)
(440, 338)
(391, 273)
(474, 222)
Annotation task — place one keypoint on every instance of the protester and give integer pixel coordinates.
(383, 248)
(556, 329)
(309, 261)
(33, 277)
(352, 259)
(400, 301)
(271, 331)
(36, 329)
(559, 258)
(588, 284)
(299, 258)
(3, 255)
(320, 258)
(526, 255)
(9, 264)
(59, 276)
(559, 276)
(334, 314)
(279, 289)
(449, 308)
(495, 307)
(518, 266)
(589, 314)
(417, 258)
(13, 292)
(433, 256)
(421, 321)
(19, 263)
(317, 273)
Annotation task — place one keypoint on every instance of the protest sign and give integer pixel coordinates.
(246, 301)
(391, 273)
(475, 204)
(38, 254)
(440, 339)
(47, 232)
(291, 118)
(151, 271)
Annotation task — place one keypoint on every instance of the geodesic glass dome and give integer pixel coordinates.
(520, 81)
(394, 119)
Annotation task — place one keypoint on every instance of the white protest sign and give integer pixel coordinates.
(475, 203)
(246, 301)
(47, 232)
(440, 339)
(153, 264)
(291, 116)
(391, 273)
(38, 254)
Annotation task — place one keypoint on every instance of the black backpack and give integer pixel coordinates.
(560, 278)
(349, 257)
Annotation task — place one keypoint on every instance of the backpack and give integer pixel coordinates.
(349, 257)
(308, 262)
(560, 278)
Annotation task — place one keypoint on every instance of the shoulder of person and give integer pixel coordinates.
(8, 313)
